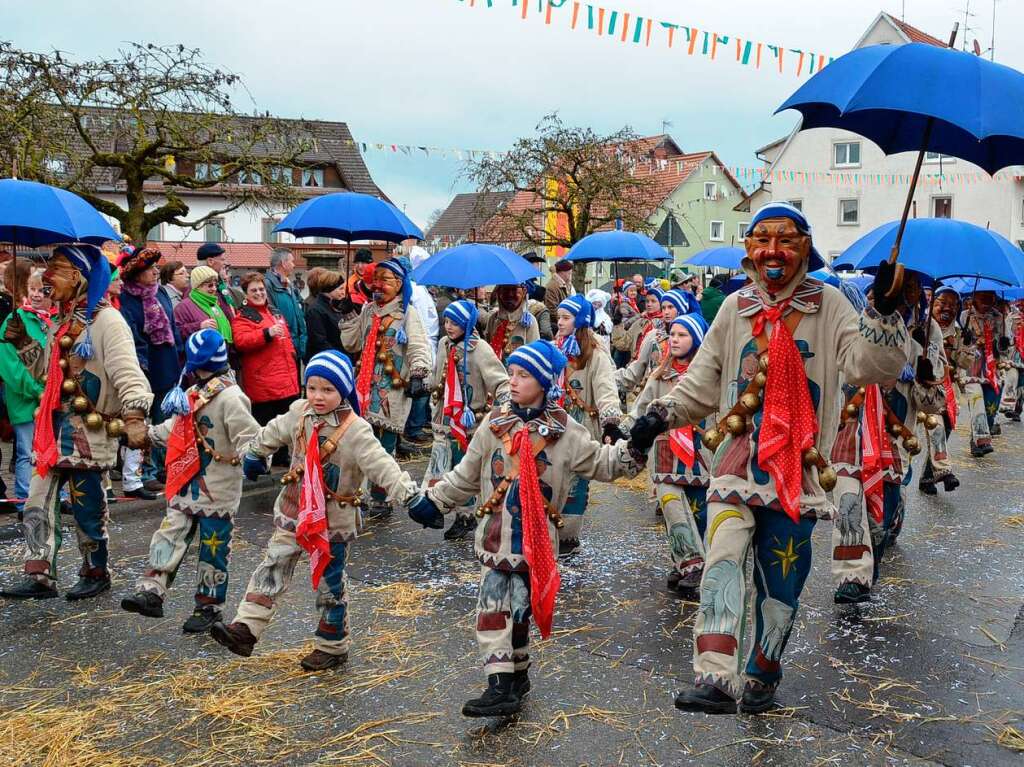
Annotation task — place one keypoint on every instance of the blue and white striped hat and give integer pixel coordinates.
(95, 268)
(653, 291)
(695, 325)
(683, 300)
(204, 350)
(395, 266)
(543, 360)
(785, 210)
(464, 313)
(335, 367)
(580, 308)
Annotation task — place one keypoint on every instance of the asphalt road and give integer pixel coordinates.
(930, 672)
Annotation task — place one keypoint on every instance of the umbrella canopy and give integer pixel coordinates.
(940, 248)
(474, 265)
(896, 95)
(727, 258)
(349, 216)
(966, 286)
(34, 214)
(617, 245)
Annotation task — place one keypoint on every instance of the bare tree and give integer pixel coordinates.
(151, 123)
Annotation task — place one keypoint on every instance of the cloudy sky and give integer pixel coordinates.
(442, 73)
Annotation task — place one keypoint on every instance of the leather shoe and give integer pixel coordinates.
(147, 603)
(235, 636)
(153, 485)
(88, 587)
(29, 588)
(851, 594)
(757, 698)
(141, 493)
(705, 699)
(318, 660)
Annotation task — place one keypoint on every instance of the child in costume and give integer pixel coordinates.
(210, 426)
(394, 360)
(511, 324)
(522, 460)
(681, 464)
(317, 512)
(646, 332)
(589, 396)
(468, 379)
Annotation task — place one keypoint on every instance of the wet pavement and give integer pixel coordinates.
(930, 672)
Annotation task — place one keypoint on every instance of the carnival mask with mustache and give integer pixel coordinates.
(946, 305)
(510, 297)
(63, 279)
(778, 250)
(385, 285)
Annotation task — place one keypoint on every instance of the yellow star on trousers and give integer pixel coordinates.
(787, 557)
(213, 543)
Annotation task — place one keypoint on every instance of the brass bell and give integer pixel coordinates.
(861, 391)
(736, 424)
(480, 513)
(713, 438)
(852, 411)
(63, 363)
(115, 428)
(895, 429)
(559, 523)
(382, 356)
(750, 401)
(66, 342)
(921, 416)
(389, 367)
(932, 422)
(827, 478)
(80, 404)
(760, 380)
(70, 386)
(912, 445)
(811, 456)
(94, 421)
(235, 461)
(763, 363)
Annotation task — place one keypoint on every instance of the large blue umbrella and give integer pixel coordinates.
(474, 265)
(34, 214)
(616, 245)
(940, 248)
(349, 216)
(725, 257)
(964, 285)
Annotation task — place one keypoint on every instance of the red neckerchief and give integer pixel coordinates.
(498, 339)
(182, 450)
(650, 319)
(991, 366)
(788, 423)
(1018, 335)
(454, 403)
(876, 450)
(44, 441)
(544, 578)
(952, 406)
(367, 361)
(311, 529)
(44, 315)
(680, 440)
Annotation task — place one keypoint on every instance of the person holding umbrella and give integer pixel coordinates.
(95, 392)
(511, 324)
(771, 366)
(394, 359)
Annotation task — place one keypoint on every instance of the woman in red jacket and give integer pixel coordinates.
(269, 370)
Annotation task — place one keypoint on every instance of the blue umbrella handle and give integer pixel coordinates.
(897, 283)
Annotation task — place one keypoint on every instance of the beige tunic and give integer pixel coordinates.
(488, 380)
(633, 375)
(569, 452)
(227, 427)
(359, 454)
(389, 405)
(515, 334)
(832, 339)
(594, 385)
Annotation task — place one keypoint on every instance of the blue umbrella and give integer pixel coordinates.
(940, 248)
(965, 285)
(617, 245)
(920, 97)
(35, 214)
(474, 265)
(727, 258)
(349, 216)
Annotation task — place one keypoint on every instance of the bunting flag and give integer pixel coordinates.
(629, 27)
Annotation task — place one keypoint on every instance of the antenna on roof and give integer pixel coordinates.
(665, 125)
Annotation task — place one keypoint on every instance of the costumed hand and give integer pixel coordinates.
(254, 466)
(884, 279)
(968, 337)
(417, 388)
(919, 336)
(645, 430)
(346, 305)
(925, 371)
(16, 334)
(136, 433)
(612, 434)
(423, 511)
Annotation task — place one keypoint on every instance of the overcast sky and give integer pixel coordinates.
(437, 72)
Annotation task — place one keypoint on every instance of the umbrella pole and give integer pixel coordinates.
(897, 284)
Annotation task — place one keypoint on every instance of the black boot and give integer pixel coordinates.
(147, 603)
(689, 586)
(201, 620)
(318, 660)
(88, 586)
(462, 527)
(757, 698)
(705, 699)
(672, 582)
(995, 430)
(851, 594)
(521, 683)
(977, 451)
(235, 636)
(927, 482)
(568, 547)
(499, 699)
(29, 588)
(950, 483)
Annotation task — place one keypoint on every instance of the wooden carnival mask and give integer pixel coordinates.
(945, 309)
(385, 285)
(778, 250)
(510, 297)
(63, 279)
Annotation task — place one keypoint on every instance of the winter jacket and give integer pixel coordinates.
(188, 317)
(160, 362)
(425, 307)
(322, 326)
(269, 370)
(21, 390)
(173, 295)
(287, 300)
(556, 292)
(710, 302)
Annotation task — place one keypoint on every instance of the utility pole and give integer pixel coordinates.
(992, 43)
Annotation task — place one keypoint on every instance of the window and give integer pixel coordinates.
(251, 177)
(214, 230)
(798, 204)
(710, 190)
(155, 234)
(942, 207)
(741, 231)
(935, 157)
(207, 170)
(281, 174)
(269, 235)
(717, 231)
(846, 154)
(313, 177)
(849, 212)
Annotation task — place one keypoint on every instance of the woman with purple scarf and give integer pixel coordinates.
(148, 312)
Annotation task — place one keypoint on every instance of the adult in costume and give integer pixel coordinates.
(510, 324)
(937, 468)
(983, 344)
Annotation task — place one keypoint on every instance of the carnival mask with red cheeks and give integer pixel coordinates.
(510, 297)
(945, 309)
(385, 285)
(63, 279)
(778, 250)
